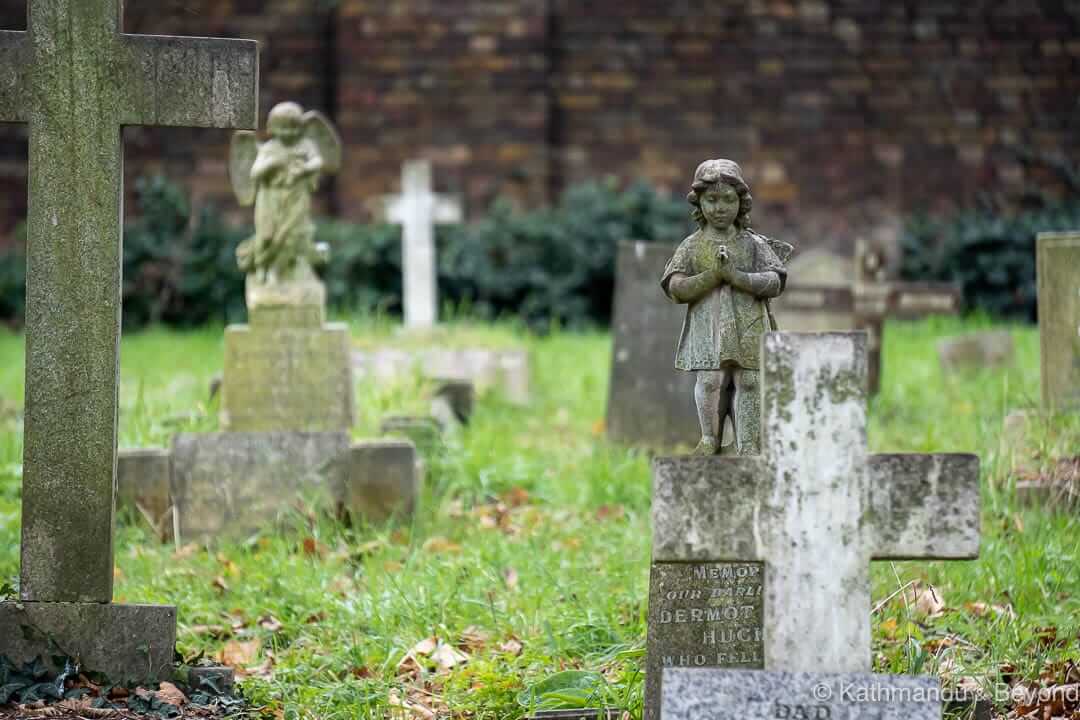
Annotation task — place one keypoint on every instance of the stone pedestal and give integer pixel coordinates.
(380, 481)
(287, 369)
(126, 643)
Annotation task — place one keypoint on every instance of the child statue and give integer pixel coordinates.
(725, 273)
(279, 177)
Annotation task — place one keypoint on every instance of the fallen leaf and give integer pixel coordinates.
(473, 638)
(270, 623)
(238, 653)
(185, 551)
(220, 585)
(315, 618)
(512, 646)
(361, 672)
(516, 497)
(889, 627)
(610, 512)
(169, 693)
(314, 548)
(447, 657)
(510, 577)
(425, 646)
(441, 544)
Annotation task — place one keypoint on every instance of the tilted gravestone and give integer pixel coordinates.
(77, 80)
(649, 402)
(691, 694)
(1059, 319)
(418, 209)
(764, 561)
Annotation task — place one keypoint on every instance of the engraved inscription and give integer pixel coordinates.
(702, 615)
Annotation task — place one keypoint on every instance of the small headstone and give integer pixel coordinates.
(650, 403)
(1059, 320)
(976, 351)
(231, 485)
(143, 481)
(755, 695)
(764, 561)
(418, 209)
(78, 79)
(380, 481)
(453, 402)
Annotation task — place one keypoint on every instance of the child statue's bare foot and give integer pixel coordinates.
(707, 446)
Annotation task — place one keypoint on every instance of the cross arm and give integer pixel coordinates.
(189, 82)
(448, 209)
(14, 69)
(708, 508)
(925, 506)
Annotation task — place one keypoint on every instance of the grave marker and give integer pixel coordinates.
(1059, 319)
(77, 80)
(810, 514)
(418, 209)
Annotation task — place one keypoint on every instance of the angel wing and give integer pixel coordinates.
(242, 152)
(317, 129)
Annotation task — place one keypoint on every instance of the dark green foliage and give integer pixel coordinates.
(551, 264)
(990, 255)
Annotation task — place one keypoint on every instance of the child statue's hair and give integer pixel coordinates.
(711, 173)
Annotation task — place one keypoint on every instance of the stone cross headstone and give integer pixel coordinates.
(77, 79)
(1059, 319)
(764, 561)
(691, 694)
(418, 209)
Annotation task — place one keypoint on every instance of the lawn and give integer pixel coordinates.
(530, 555)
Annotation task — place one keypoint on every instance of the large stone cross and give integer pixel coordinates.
(765, 561)
(77, 79)
(417, 209)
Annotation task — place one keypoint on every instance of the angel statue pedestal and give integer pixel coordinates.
(287, 369)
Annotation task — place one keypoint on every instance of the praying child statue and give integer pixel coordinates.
(725, 273)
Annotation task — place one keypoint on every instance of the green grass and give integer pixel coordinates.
(535, 531)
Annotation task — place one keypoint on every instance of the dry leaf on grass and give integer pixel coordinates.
(511, 646)
(441, 544)
(473, 639)
(409, 708)
(169, 693)
(510, 577)
(270, 623)
(447, 657)
(239, 654)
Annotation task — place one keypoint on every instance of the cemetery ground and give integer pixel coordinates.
(530, 553)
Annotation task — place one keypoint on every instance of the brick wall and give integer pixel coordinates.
(846, 114)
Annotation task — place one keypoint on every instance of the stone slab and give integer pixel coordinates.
(975, 351)
(650, 403)
(489, 369)
(758, 695)
(702, 615)
(230, 485)
(123, 642)
(1059, 320)
(381, 481)
(287, 378)
(143, 483)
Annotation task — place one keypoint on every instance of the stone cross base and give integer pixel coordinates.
(126, 643)
(280, 376)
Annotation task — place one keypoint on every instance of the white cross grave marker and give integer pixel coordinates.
(765, 561)
(77, 79)
(417, 209)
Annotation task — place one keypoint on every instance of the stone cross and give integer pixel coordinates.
(417, 209)
(1059, 319)
(77, 79)
(765, 561)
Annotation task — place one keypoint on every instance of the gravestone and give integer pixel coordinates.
(1059, 320)
(231, 485)
(764, 561)
(77, 79)
(691, 694)
(143, 483)
(650, 403)
(418, 209)
(505, 370)
(381, 480)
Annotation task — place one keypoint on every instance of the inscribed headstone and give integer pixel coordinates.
(811, 513)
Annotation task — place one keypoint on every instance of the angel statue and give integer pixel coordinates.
(279, 176)
(725, 273)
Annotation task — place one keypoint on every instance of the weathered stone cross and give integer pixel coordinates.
(76, 78)
(418, 210)
(765, 561)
